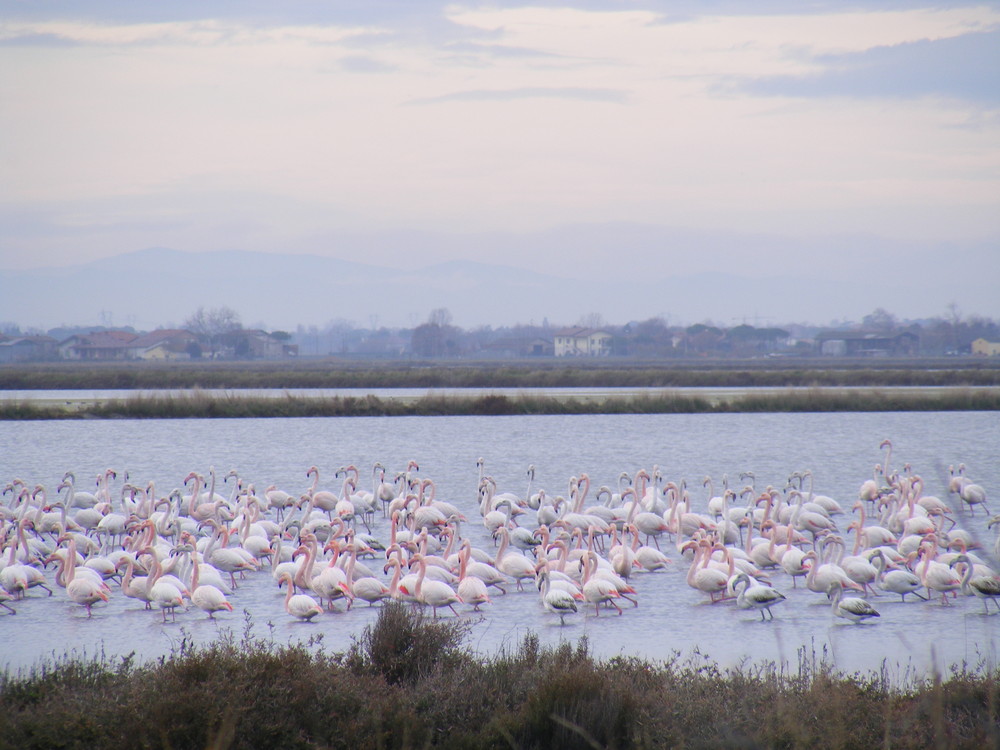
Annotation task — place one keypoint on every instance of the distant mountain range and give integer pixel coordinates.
(162, 287)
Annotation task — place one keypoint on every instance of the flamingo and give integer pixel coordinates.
(755, 595)
(484, 570)
(936, 575)
(431, 593)
(229, 559)
(809, 521)
(398, 591)
(827, 503)
(515, 566)
(164, 594)
(16, 576)
(703, 578)
(384, 491)
(858, 567)
(851, 608)
(897, 580)
(366, 588)
(134, 587)
(985, 587)
(822, 576)
(647, 557)
(471, 589)
(557, 600)
(793, 562)
(301, 606)
(871, 535)
(331, 582)
(83, 590)
(205, 596)
(651, 525)
(74, 498)
(868, 492)
(598, 590)
(973, 495)
(317, 498)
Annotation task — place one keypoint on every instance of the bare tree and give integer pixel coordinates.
(440, 316)
(592, 320)
(879, 320)
(214, 325)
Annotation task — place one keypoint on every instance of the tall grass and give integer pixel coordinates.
(199, 404)
(469, 374)
(408, 682)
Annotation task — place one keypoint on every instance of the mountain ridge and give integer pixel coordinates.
(159, 286)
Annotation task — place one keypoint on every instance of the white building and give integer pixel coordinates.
(582, 342)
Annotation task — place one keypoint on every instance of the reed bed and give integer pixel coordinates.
(408, 682)
(600, 373)
(198, 404)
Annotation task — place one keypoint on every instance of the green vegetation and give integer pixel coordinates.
(535, 374)
(198, 404)
(408, 682)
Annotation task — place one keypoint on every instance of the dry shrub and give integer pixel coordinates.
(406, 683)
(402, 646)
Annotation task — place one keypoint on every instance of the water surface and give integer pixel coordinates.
(671, 618)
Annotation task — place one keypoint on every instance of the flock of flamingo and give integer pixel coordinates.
(326, 550)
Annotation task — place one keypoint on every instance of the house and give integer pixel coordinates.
(867, 343)
(162, 345)
(251, 343)
(99, 345)
(582, 342)
(262, 345)
(27, 349)
(513, 347)
(985, 348)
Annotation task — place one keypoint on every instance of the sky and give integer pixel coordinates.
(757, 137)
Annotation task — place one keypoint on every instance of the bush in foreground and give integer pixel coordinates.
(407, 682)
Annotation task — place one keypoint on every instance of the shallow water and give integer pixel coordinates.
(671, 618)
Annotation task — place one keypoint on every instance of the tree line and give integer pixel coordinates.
(221, 332)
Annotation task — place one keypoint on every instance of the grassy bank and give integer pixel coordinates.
(203, 405)
(549, 374)
(408, 682)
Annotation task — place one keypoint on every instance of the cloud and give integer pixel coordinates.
(500, 51)
(31, 39)
(964, 67)
(364, 64)
(611, 96)
(201, 33)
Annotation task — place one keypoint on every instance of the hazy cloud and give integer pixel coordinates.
(363, 64)
(962, 67)
(34, 39)
(611, 96)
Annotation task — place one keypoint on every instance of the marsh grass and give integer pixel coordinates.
(408, 682)
(523, 374)
(200, 404)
